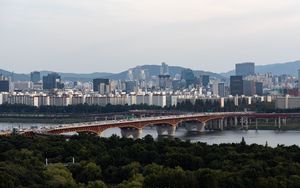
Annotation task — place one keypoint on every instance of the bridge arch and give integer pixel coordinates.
(189, 120)
(159, 124)
(88, 132)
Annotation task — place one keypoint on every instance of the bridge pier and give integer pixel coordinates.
(161, 129)
(225, 122)
(246, 123)
(201, 127)
(284, 121)
(279, 123)
(256, 124)
(242, 122)
(171, 130)
(221, 125)
(235, 121)
(126, 132)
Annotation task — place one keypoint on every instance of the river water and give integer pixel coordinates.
(272, 137)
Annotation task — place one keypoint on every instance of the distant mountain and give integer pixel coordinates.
(152, 70)
(65, 76)
(15, 76)
(80, 77)
(290, 68)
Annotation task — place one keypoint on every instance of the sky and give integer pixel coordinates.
(114, 35)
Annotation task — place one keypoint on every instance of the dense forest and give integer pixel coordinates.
(186, 106)
(120, 163)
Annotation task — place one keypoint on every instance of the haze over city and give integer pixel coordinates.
(114, 35)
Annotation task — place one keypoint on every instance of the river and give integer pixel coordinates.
(272, 137)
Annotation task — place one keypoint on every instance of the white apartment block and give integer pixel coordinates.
(60, 101)
(287, 102)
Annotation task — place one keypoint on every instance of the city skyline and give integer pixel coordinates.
(111, 36)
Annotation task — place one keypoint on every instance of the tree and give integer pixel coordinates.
(57, 175)
(96, 184)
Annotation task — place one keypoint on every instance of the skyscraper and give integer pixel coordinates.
(249, 87)
(221, 89)
(259, 88)
(244, 69)
(164, 69)
(165, 81)
(52, 81)
(130, 86)
(205, 80)
(35, 76)
(236, 85)
(4, 84)
(188, 76)
(101, 85)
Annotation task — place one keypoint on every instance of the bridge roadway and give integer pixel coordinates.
(168, 124)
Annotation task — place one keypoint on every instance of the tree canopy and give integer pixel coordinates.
(120, 162)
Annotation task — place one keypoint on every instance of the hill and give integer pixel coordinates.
(152, 70)
(290, 68)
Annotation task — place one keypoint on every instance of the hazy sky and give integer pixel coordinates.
(114, 35)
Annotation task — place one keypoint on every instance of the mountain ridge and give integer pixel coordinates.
(152, 69)
(289, 68)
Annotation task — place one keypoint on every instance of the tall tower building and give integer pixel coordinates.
(52, 81)
(35, 76)
(244, 69)
(205, 80)
(188, 76)
(164, 69)
(236, 85)
(101, 85)
(249, 87)
(221, 89)
(4, 84)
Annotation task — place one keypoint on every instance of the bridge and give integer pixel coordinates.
(168, 124)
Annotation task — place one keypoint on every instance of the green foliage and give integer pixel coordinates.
(96, 184)
(57, 175)
(121, 163)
